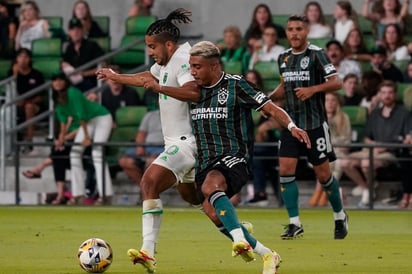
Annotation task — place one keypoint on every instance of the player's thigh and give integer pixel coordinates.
(155, 180)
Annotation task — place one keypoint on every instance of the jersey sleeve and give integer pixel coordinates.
(324, 64)
(250, 95)
(183, 74)
(155, 71)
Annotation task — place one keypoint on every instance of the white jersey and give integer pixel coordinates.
(174, 113)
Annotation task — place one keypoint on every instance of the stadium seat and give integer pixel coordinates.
(5, 65)
(46, 48)
(56, 26)
(47, 66)
(128, 120)
(269, 70)
(103, 22)
(103, 42)
(357, 117)
(280, 19)
(130, 115)
(369, 41)
(365, 25)
(270, 85)
(132, 57)
(137, 25)
(233, 67)
(401, 88)
(320, 42)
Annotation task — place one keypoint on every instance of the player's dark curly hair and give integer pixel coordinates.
(165, 30)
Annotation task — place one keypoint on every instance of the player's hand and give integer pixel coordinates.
(150, 83)
(301, 135)
(104, 74)
(304, 93)
(86, 142)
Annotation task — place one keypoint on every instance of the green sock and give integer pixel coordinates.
(332, 190)
(290, 193)
(225, 210)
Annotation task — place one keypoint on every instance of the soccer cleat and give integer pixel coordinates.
(271, 262)
(292, 232)
(244, 250)
(341, 228)
(248, 226)
(141, 257)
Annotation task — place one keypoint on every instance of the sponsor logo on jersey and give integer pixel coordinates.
(209, 113)
(165, 77)
(293, 76)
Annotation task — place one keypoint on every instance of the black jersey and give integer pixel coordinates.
(222, 119)
(308, 68)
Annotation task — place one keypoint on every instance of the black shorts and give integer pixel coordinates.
(234, 169)
(320, 151)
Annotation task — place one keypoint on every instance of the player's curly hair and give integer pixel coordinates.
(165, 30)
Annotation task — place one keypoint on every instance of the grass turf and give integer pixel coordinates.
(42, 240)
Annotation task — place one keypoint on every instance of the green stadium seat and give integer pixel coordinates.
(132, 57)
(5, 65)
(56, 26)
(103, 22)
(103, 42)
(128, 120)
(47, 66)
(357, 117)
(365, 25)
(130, 115)
(269, 70)
(137, 25)
(233, 67)
(320, 42)
(46, 48)
(370, 42)
(280, 19)
(401, 88)
(270, 85)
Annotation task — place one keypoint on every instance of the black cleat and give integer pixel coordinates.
(292, 231)
(341, 228)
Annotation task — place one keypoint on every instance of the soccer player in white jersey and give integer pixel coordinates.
(175, 166)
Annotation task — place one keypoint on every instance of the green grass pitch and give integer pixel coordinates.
(42, 240)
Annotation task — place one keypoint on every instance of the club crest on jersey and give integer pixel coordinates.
(165, 78)
(223, 95)
(304, 63)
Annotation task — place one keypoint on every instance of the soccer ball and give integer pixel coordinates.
(95, 255)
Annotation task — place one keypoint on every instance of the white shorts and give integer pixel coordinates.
(180, 158)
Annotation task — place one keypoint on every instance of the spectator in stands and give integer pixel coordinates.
(334, 50)
(380, 64)
(384, 12)
(318, 27)
(27, 79)
(80, 51)
(262, 17)
(232, 48)
(136, 159)
(265, 132)
(8, 29)
(81, 11)
(115, 95)
(393, 43)
(31, 26)
(340, 133)
(351, 95)
(270, 50)
(407, 74)
(406, 166)
(385, 124)
(95, 126)
(345, 20)
(370, 83)
(354, 46)
(141, 8)
(59, 156)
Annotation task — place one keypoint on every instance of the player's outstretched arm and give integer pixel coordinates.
(125, 79)
(189, 92)
(270, 109)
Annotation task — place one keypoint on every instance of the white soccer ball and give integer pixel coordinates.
(95, 255)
